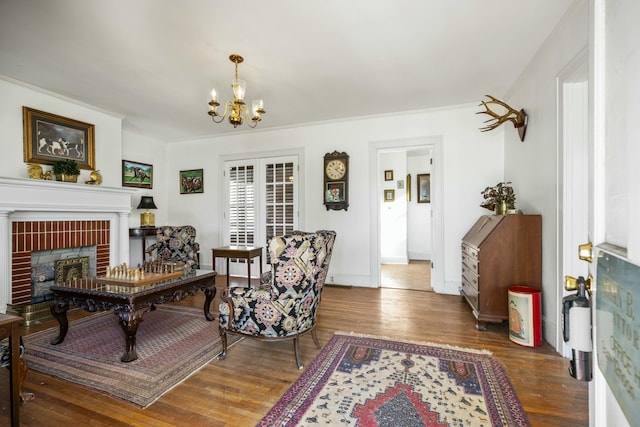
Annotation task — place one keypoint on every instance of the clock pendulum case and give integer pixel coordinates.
(336, 181)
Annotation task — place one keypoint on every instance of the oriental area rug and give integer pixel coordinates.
(371, 381)
(173, 342)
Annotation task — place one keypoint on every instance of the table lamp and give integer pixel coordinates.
(147, 219)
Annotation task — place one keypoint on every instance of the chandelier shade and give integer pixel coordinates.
(236, 110)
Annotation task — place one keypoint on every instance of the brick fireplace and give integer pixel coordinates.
(44, 215)
(30, 236)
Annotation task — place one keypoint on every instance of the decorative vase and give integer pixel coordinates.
(66, 178)
(501, 208)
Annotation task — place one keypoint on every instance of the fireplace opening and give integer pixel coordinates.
(59, 265)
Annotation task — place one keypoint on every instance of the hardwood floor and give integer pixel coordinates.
(415, 276)
(240, 390)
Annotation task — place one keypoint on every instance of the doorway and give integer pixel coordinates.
(405, 248)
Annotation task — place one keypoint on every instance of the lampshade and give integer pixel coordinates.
(146, 202)
(147, 219)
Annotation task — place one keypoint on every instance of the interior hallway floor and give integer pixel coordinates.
(414, 276)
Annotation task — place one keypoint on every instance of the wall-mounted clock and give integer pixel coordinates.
(336, 181)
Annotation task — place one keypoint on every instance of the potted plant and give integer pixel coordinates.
(66, 170)
(499, 198)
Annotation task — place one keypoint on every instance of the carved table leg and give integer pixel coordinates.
(129, 321)
(59, 310)
(209, 293)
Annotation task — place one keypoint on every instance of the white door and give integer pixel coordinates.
(615, 54)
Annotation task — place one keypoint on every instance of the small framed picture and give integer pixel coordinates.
(136, 174)
(192, 181)
(424, 188)
(49, 138)
(389, 195)
(388, 175)
(334, 192)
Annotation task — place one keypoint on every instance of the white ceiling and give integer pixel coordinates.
(154, 62)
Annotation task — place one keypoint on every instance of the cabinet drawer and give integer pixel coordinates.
(469, 251)
(470, 293)
(470, 258)
(470, 278)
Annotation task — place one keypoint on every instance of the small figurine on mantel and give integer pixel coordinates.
(96, 178)
(36, 172)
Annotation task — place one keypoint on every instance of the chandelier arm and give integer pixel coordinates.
(217, 121)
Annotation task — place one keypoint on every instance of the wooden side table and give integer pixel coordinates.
(242, 252)
(9, 329)
(143, 232)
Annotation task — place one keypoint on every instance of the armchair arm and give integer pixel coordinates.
(152, 248)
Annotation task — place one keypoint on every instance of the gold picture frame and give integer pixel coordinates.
(408, 187)
(424, 188)
(389, 195)
(49, 138)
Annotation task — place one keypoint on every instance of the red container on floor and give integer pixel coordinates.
(525, 316)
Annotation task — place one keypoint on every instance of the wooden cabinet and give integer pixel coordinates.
(500, 251)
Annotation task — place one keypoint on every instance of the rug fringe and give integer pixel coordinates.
(433, 344)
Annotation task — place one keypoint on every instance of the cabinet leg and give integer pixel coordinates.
(481, 326)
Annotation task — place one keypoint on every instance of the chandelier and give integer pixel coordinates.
(236, 109)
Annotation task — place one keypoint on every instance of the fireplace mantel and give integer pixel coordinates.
(36, 200)
(46, 196)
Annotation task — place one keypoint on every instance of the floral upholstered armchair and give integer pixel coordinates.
(285, 307)
(177, 243)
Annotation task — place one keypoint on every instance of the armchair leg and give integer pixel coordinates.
(314, 335)
(223, 338)
(24, 397)
(296, 350)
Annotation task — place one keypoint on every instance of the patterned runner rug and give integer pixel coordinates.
(370, 381)
(173, 342)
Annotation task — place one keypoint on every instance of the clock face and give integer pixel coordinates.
(335, 169)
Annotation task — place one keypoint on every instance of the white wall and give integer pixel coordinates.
(393, 214)
(472, 160)
(108, 133)
(532, 165)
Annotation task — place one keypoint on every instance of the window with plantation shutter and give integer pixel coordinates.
(242, 205)
(261, 203)
(279, 198)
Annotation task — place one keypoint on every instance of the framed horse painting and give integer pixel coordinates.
(135, 174)
(192, 181)
(49, 138)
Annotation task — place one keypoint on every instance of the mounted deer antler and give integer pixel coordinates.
(518, 118)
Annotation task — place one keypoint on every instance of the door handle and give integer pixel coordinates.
(571, 283)
(585, 252)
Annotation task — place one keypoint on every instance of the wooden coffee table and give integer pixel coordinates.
(129, 302)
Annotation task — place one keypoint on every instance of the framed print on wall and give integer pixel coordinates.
(389, 195)
(49, 138)
(135, 174)
(424, 188)
(192, 181)
(388, 175)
